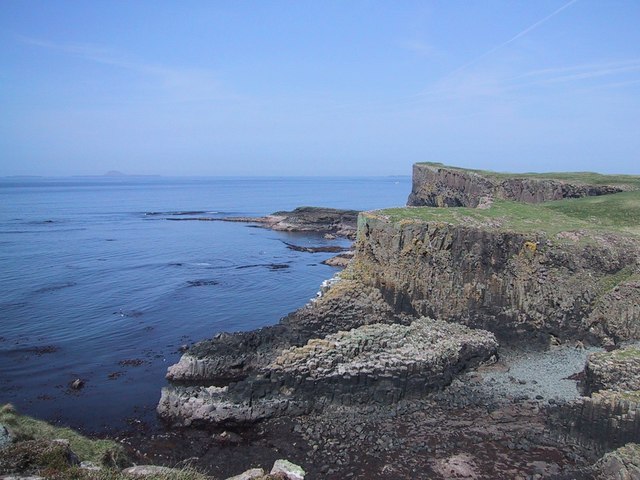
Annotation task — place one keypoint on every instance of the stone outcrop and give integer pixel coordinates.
(511, 283)
(604, 421)
(288, 469)
(610, 417)
(621, 464)
(328, 221)
(377, 363)
(232, 357)
(436, 185)
(281, 470)
(618, 370)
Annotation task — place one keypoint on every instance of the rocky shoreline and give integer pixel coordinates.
(331, 222)
(353, 357)
(470, 343)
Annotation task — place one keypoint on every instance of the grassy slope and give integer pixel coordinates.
(27, 428)
(618, 213)
(588, 178)
(99, 452)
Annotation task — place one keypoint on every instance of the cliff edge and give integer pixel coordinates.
(438, 185)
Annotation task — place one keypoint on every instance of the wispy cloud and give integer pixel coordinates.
(181, 84)
(419, 47)
(584, 72)
(517, 36)
(490, 82)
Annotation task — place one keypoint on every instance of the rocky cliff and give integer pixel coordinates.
(436, 185)
(490, 275)
(423, 301)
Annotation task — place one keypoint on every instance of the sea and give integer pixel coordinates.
(98, 281)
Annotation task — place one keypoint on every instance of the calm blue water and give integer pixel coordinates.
(93, 287)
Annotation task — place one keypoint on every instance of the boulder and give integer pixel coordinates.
(148, 470)
(5, 436)
(249, 474)
(290, 470)
(621, 464)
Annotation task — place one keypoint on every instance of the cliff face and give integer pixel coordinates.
(507, 282)
(440, 186)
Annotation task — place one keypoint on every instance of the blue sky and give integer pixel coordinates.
(318, 88)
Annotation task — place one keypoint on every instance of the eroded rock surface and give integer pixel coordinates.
(610, 417)
(231, 357)
(377, 363)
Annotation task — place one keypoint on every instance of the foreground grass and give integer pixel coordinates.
(76, 473)
(100, 452)
(587, 178)
(619, 212)
(30, 437)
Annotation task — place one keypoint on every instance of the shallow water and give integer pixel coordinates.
(96, 283)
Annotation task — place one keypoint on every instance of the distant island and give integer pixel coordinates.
(115, 174)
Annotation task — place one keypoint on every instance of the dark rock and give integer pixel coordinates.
(329, 221)
(326, 248)
(340, 261)
(131, 362)
(77, 384)
(202, 283)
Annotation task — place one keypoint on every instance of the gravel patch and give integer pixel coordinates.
(535, 374)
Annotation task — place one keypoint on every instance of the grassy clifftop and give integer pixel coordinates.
(615, 213)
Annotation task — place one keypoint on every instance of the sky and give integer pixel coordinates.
(318, 87)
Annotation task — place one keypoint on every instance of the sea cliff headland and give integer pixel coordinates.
(426, 322)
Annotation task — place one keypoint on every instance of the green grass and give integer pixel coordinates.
(23, 428)
(626, 354)
(608, 282)
(588, 178)
(75, 473)
(619, 212)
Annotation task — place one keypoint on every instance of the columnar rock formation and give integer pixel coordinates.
(377, 363)
(509, 282)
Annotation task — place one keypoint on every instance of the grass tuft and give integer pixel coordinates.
(24, 428)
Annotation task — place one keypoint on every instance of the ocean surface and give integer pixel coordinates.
(97, 283)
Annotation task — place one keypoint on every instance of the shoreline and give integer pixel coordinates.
(499, 414)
